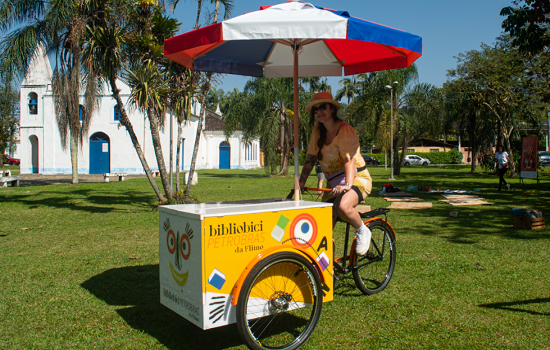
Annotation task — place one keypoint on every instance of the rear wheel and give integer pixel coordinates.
(407, 164)
(280, 302)
(374, 270)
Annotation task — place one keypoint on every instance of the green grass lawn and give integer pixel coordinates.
(68, 280)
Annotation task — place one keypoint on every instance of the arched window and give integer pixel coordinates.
(99, 136)
(33, 103)
(116, 115)
(80, 111)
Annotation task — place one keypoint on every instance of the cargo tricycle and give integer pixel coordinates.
(267, 265)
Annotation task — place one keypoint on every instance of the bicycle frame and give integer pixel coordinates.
(342, 267)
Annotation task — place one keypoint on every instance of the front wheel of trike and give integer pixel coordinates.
(280, 302)
(374, 270)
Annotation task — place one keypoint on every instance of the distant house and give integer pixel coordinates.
(107, 147)
(427, 145)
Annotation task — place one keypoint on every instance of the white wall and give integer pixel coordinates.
(54, 158)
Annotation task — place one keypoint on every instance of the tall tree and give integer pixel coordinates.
(265, 109)
(348, 90)
(60, 26)
(494, 78)
(105, 54)
(528, 24)
(9, 117)
(205, 88)
(146, 74)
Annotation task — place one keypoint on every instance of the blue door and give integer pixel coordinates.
(100, 154)
(225, 155)
(34, 153)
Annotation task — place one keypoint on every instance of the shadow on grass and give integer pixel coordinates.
(135, 289)
(89, 200)
(515, 306)
(474, 222)
(236, 175)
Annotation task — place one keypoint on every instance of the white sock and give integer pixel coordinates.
(362, 229)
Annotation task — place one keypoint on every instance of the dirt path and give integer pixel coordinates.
(39, 179)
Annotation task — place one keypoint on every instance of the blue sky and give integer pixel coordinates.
(447, 27)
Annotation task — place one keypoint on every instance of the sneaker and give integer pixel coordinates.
(362, 242)
(508, 187)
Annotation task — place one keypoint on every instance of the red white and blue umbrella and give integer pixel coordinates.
(294, 39)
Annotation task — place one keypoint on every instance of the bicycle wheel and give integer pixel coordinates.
(375, 269)
(280, 302)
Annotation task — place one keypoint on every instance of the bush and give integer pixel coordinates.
(379, 156)
(301, 158)
(452, 157)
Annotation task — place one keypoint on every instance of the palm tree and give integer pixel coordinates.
(146, 73)
(348, 90)
(325, 86)
(313, 82)
(104, 53)
(183, 85)
(58, 25)
(205, 88)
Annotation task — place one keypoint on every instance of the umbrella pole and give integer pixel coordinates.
(296, 126)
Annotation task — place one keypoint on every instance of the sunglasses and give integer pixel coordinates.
(321, 108)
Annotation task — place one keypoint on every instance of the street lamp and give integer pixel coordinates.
(391, 121)
(386, 143)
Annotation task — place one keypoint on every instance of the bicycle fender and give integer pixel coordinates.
(265, 253)
(387, 223)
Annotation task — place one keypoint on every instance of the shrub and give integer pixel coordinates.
(451, 157)
(379, 156)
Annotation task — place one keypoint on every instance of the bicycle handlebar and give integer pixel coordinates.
(316, 189)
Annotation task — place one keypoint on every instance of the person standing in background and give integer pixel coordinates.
(501, 166)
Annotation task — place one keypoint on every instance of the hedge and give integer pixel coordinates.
(452, 157)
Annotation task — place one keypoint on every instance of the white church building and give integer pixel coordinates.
(108, 148)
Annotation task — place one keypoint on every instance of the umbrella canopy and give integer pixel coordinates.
(332, 44)
(294, 39)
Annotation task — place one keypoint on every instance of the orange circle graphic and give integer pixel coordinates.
(300, 243)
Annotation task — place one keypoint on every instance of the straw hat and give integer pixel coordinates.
(322, 97)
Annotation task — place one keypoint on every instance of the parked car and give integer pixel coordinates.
(11, 161)
(415, 160)
(544, 158)
(370, 160)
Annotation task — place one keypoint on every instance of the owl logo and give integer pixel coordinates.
(303, 230)
(179, 245)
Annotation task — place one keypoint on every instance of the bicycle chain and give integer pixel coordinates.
(306, 242)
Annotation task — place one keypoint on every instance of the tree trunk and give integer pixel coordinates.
(395, 155)
(74, 158)
(499, 134)
(404, 145)
(178, 156)
(153, 123)
(473, 144)
(506, 143)
(199, 2)
(124, 120)
(284, 142)
(216, 10)
(205, 89)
